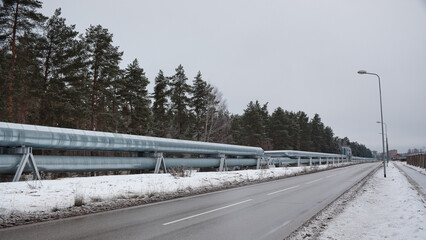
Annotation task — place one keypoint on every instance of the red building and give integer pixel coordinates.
(393, 153)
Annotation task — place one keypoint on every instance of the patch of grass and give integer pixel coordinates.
(180, 172)
(78, 200)
(55, 209)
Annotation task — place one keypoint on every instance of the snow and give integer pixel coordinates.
(418, 169)
(388, 208)
(50, 195)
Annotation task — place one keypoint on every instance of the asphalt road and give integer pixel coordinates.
(269, 210)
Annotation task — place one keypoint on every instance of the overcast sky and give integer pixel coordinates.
(295, 54)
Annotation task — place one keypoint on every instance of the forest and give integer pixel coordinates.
(52, 75)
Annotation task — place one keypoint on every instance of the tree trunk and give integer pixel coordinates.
(43, 97)
(211, 127)
(95, 78)
(12, 64)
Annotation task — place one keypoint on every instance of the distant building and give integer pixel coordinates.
(393, 153)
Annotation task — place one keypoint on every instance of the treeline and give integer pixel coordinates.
(288, 130)
(52, 75)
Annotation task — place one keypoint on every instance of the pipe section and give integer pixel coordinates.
(40, 137)
(9, 163)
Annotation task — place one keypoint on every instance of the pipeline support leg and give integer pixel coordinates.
(160, 163)
(222, 163)
(27, 157)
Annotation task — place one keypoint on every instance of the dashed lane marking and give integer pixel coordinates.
(282, 190)
(203, 213)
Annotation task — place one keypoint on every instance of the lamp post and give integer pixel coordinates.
(387, 143)
(381, 115)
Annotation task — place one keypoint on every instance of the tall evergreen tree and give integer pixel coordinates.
(199, 101)
(160, 105)
(254, 122)
(237, 130)
(331, 145)
(180, 99)
(134, 99)
(317, 134)
(103, 69)
(294, 131)
(27, 77)
(305, 131)
(17, 18)
(278, 130)
(58, 56)
(78, 93)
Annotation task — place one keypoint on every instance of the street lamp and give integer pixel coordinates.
(381, 115)
(387, 142)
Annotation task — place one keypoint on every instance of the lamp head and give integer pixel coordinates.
(362, 72)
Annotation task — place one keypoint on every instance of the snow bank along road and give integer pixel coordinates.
(418, 175)
(382, 208)
(388, 208)
(269, 210)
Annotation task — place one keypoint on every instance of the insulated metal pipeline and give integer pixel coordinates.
(40, 137)
(302, 154)
(8, 163)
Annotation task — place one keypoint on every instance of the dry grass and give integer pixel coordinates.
(78, 200)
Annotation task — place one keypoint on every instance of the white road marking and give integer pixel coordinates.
(319, 179)
(203, 213)
(331, 175)
(274, 230)
(282, 190)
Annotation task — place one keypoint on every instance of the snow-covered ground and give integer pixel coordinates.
(387, 208)
(418, 169)
(51, 195)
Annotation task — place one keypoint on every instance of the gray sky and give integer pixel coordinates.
(296, 54)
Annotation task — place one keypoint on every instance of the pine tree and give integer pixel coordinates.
(134, 99)
(78, 93)
(317, 134)
(330, 141)
(254, 123)
(59, 49)
(160, 105)
(179, 96)
(305, 131)
(294, 131)
(199, 101)
(27, 77)
(102, 62)
(17, 18)
(237, 131)
(278, 129)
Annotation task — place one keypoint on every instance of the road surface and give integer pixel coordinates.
(270, 210)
